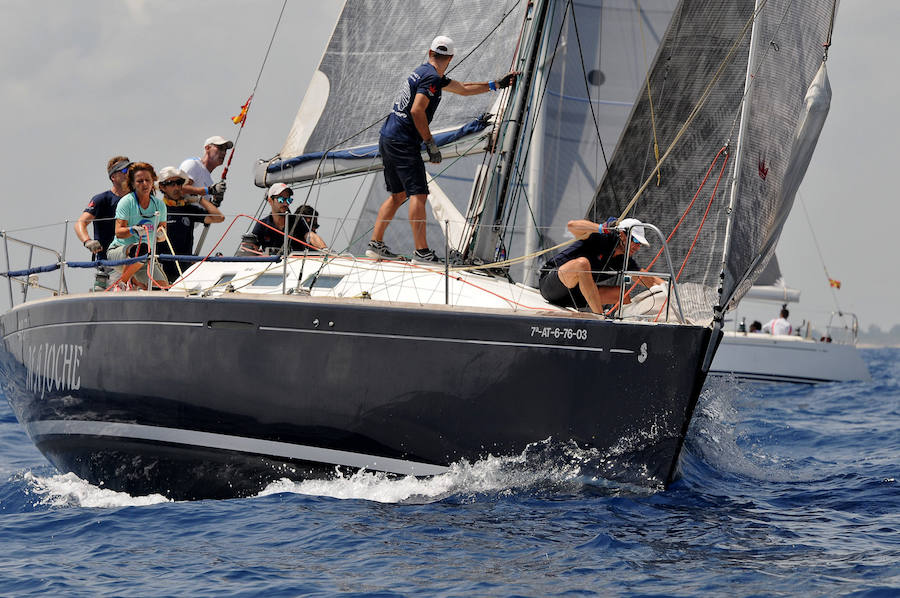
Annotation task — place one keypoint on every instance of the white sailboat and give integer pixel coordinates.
(809, 355)
(404, 368)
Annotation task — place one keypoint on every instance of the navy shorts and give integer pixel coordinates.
(555, 292)
(404, 169)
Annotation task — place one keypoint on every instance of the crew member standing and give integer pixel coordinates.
(403, 132)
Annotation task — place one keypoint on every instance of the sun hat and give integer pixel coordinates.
(170, 172)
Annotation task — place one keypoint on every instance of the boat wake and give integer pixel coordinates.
(543, 468)
(718, 438)
(546, 468)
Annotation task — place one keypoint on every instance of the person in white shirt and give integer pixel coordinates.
(200, 170)
(779, 325)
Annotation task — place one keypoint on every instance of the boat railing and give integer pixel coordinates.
(28, 277)
(843, 327)
(669, 276)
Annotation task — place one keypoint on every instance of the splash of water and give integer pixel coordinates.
(717, 437)
(68, 490)
(545, 466)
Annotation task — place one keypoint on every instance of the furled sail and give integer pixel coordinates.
(718, 51)
(375, 44)
(770, 285)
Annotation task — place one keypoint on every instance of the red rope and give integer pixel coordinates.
(712, 197)
(680, 220)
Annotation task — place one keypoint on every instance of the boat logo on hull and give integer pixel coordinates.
(52, 367)
(642, 356)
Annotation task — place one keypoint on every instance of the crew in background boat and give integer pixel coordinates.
(572, 278)
(400, 143)
(138, 225)
(755, 326)
(303, 227)
(263, 238)
(199, 170)
(101, 211)
(185, 211)
(779, 325)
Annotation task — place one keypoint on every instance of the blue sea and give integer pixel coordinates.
(786, 490)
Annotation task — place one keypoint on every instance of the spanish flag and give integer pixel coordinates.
(834, 283)
(240, 118)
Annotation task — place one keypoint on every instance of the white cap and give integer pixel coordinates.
(170, 172)
(217, 140)
(443, 45)
(277, 188)
(637, 229)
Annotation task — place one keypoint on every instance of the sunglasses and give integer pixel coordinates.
(172, 182)
(288, 200)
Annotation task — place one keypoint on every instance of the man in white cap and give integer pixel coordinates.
(572, 278)
(199, 170)
(184, 211)
(269, 232)
(400, 144)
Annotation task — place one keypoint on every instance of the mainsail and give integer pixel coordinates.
(375, 44)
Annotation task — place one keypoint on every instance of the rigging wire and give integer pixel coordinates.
(819, 252)
(587, 90)
(649, 95)
(695, 111)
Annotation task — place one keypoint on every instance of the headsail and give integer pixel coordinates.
(708, 48)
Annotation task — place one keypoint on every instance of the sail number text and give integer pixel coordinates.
(579, 334)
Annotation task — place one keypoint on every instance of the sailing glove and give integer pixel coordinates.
(434, 154)
(93, 245)
(506, 80)
(217, 190)
(609, 224)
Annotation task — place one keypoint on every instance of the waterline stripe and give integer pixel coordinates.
(241, 444)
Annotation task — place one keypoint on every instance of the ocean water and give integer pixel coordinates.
(786, 490)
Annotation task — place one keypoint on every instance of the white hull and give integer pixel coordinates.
(787, 359)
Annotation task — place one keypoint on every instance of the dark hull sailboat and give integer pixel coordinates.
(206, 391)
(228, 394)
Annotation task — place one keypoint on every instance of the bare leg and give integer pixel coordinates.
(386, 214)
(578, 272)
(417, 220)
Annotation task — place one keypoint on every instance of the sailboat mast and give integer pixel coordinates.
(497, 194)
(535, 169)
(738, 152)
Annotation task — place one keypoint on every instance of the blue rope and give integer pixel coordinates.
(133, 260)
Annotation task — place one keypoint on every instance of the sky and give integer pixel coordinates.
(81, 81)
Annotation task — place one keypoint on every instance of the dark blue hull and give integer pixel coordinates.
(217, 397)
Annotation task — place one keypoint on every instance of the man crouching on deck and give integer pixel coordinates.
(572, 278)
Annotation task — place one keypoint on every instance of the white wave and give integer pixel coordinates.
(68, 490)
(542, 465)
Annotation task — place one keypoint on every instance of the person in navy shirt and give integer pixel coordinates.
(572, 278)
(403, 132)
(101, 210)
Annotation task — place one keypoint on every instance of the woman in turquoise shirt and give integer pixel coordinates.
(140, 221)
